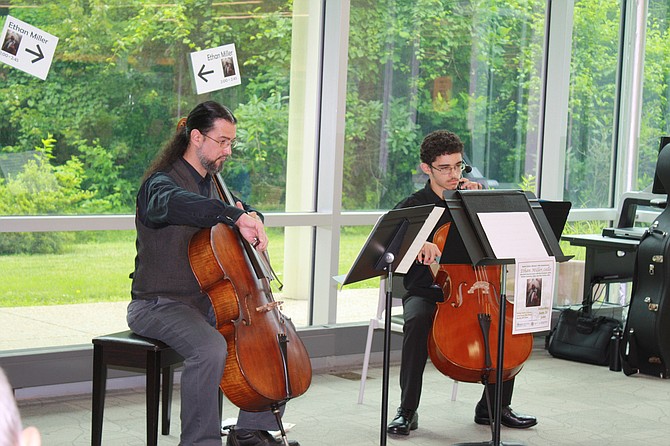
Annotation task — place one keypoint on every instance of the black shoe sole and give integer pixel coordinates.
(486, 421)
(397, 431)
(401, 432)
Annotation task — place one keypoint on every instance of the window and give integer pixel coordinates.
(654, 117)
(473, 69)
(78, 143)
(593, 78)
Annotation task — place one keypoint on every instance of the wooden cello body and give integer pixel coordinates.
(464, 339)
(267, 363)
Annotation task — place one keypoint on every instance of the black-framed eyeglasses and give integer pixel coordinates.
(458, 167)
(224, 143)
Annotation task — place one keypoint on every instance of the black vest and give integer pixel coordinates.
(162, 267)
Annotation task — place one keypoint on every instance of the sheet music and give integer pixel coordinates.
(421, 237)
(512, 235)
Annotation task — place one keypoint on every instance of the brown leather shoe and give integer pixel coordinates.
(508, 418)
(405, 421)
(243, 437)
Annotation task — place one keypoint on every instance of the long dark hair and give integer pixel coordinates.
(202, 117)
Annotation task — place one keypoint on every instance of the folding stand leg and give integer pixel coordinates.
(387, 351)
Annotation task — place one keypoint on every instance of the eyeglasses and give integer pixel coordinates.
(456, 168)
(224, 143)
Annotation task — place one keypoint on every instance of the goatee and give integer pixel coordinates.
(211, 166)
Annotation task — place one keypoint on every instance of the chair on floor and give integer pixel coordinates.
(378, 322)
(128, 350)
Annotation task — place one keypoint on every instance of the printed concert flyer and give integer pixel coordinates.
(533, 295)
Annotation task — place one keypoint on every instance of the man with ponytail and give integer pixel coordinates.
(177, 198)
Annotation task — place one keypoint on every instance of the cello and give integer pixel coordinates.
(465, 325)
(267, 363)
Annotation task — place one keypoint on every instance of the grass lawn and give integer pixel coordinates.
(97, 270)
(87, 272)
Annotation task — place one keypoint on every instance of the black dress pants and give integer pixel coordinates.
(418, 313)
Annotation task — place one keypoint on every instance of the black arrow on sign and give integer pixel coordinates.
(39, 54)
(202, 73)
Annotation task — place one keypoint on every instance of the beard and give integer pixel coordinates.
(211, 166)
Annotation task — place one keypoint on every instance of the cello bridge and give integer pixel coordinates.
(269, 306)
(479, 285)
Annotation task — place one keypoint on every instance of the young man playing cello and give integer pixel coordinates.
(442, 161)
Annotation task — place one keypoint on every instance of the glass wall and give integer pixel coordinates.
(655, 91)
(78, 142)
(120, 80)
(591, 108)
(414, 67)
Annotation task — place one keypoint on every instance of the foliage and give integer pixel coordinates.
(41, 188)
(592, 96)
(117, 86)
(469, 67)
(259, 154)
(528, 183)
(654, 120)
(121, 78)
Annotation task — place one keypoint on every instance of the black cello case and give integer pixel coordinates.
(645, 345)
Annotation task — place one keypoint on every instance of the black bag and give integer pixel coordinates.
(582, 338)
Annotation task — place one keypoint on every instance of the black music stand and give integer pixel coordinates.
(464, 207)
(391, 240)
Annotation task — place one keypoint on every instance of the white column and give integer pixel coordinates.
(302, 146)
(557, 78)
(331, 155)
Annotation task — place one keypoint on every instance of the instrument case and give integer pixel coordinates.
(645, 347)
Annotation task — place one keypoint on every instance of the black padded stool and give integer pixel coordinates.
(126, 349)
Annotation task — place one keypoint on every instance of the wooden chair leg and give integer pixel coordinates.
(153, 396)
(99, 390)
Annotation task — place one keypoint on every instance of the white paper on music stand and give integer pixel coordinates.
(533, 295)
(512, 235)
(420, 239)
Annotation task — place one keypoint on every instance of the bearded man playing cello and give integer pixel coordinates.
(176, 199)
(442, 161)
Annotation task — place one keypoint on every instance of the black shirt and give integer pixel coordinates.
(419, 280)
(161, 202)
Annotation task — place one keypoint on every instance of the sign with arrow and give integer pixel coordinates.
(27, 48)
(215, 69)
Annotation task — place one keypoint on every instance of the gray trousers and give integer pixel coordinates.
(192, 334)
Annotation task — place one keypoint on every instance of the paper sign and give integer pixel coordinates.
(533, 295)
(215, 69)
(27, 48)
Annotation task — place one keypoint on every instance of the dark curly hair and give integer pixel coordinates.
(439, 142)
(202, 117)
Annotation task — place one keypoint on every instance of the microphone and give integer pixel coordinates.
(467, 169)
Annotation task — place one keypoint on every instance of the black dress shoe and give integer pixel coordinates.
(508, 418)
(243, 437)
(404, 421)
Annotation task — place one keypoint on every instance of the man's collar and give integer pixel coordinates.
(429, 190)
(196, 175)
